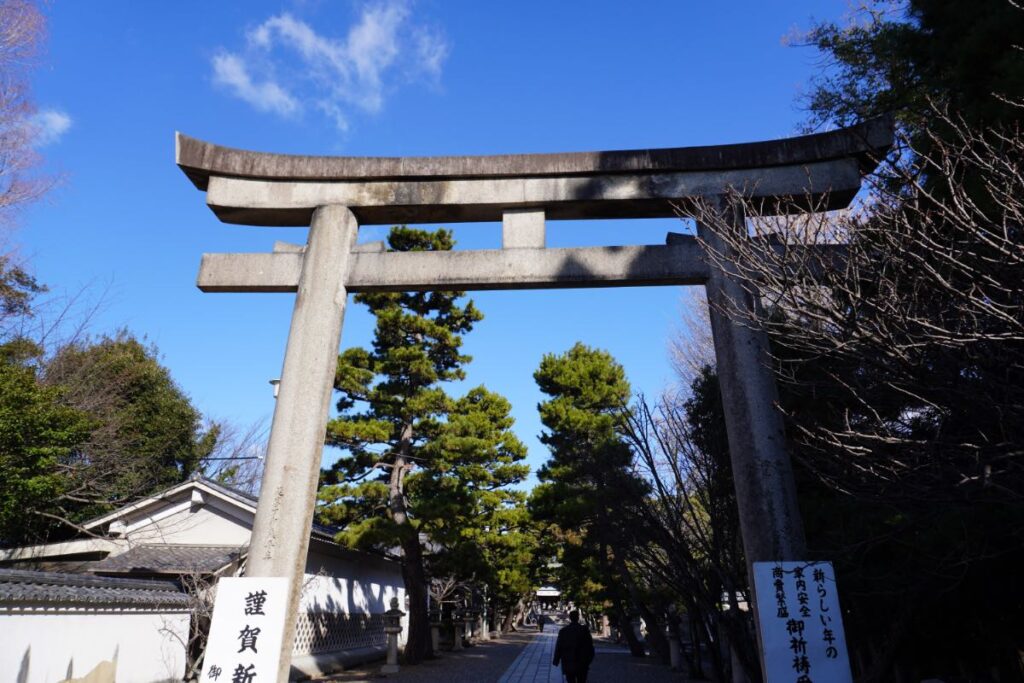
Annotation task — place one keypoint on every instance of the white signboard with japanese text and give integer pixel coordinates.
(246, 631)
(801, 625)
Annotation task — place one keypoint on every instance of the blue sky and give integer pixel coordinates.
(380, 78)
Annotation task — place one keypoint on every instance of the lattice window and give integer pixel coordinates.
(318, 632)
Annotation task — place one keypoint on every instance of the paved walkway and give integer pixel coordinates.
(612, 664)
(533, 665)
(520, 658)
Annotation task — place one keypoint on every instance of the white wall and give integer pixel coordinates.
(352, 583)
(214, 523)
(55, 645)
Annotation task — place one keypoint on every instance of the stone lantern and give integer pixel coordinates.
(482, 625)
(675, 653)
(469, 616)
(456, 629)
(435, 628)
(392, 627)
(485, 622)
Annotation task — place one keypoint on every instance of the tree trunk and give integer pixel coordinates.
(695, 662)
(655, 635)
(507, 623)
(636, 648)
(418, 644)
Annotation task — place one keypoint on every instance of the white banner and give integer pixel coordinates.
(801, 625)
(246, 631)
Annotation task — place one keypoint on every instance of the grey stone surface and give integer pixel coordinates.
(612, 664)
(830, 184)
(199, 160)
(770, 522)
(335, 193)
(766, 495)
(523, 229)
(273, 189)
(676, 264)
(284, 516)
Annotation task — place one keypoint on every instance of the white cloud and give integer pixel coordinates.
(230, 71)
(431, 50)
(382, 50)
(49, 125)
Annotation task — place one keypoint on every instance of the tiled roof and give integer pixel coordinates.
(19, 587)
(171, 559)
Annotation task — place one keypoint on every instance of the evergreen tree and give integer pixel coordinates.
(416, 464)
(461, 497)
(94, 425)
(39, 436)
(147, 435)
(908, 57)
(588, 481)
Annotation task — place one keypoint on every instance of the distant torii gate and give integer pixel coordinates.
(334, 195)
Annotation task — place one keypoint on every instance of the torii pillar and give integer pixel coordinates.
(284, 516)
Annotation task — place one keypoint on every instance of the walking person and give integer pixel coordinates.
(574, 649)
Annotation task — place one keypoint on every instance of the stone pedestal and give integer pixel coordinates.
(675, 653)
(481, 628)
(435, 637)
(456, 634)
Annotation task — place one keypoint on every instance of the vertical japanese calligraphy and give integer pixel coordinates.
(801, 624)
(246, 631)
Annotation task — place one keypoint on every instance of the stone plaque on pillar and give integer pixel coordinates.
(523, 229)
(801, 625)
(246, 630)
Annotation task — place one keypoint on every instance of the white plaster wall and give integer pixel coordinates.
(351, 583)
(206, 525)
(55, 645)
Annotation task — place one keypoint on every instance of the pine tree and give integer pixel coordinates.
(417, 464)
(588, 480)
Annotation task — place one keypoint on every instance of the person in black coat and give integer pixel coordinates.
(574, 649)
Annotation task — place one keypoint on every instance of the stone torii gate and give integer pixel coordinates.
(334, 195)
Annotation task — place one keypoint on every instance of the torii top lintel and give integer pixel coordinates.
(259, 188)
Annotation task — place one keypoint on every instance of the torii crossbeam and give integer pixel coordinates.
(334, 195)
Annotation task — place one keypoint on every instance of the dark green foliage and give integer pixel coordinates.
(146, 435)
(39, 435)
(589, 460)
(86, 428)
(587, 484)
(416, 463)
(907, 58)
(390, 403)
(17, 290)
(472, 460)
